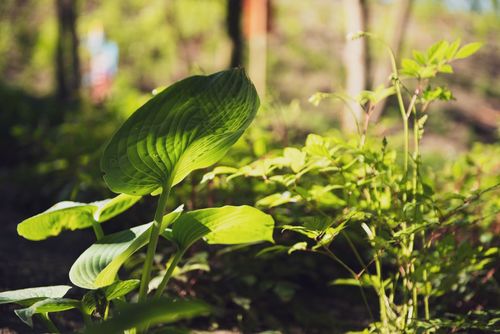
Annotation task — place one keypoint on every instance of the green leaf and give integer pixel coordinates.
(121, 288)
(30, 295)
(46, 306)
(219, 170)
(188, 126)
(98, 265)
(72, 216)
(468, 50)
(150, 312)
(295, 158)
(94, 298)
(278, 199)
(228, 225)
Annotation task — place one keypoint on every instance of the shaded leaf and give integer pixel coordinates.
(150, 312)
(98, 265)
(48, 305)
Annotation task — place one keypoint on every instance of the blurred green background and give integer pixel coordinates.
(73, 71)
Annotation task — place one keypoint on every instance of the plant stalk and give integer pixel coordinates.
(99, 233)
(175, 261)
(48, 323)
(153, 241)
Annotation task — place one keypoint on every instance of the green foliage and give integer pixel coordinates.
(30, 295)
(45, 306)
(73, 216)
(228, 225)
(188, 126)
(98, 265)
(333, 190)
(152, 312)
(436, 59)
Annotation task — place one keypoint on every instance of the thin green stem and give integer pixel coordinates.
(173, 264)
(153, 241)
(99, 233)
(106, 311)
(334, 257)
(51, 327)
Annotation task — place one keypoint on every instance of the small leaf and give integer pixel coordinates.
(190, 125)
(150, 312)
(228, 225)
(299, 246)
(219, 170)
(277, 199)
(30, 295)
(93, 298)
(445, 68)
(468, 50)
(72, 216)
(98, 265)
(121, 288)
(46, 306)
(295, 157)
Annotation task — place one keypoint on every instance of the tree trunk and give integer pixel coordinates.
(355, 61)
(256, 21)
(383, 72)
(233, 23)
(67, 58)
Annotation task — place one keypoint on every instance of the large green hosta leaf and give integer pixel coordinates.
(98, 265)
(72, 216)
(30, 295)
(227, 225)
(189, 125)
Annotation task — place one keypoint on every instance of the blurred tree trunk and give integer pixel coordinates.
(383, 72)
(256, 24)
(233, 21)
(355, 61)
(67, 58)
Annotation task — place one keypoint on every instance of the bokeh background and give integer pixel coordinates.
(71, 71)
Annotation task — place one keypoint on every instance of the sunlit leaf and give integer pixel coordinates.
(468, 50)
(188, 126)
(72, 216)
(227, 225)
(30, 295)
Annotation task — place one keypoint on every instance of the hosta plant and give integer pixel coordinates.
(410, 236)
(188, 126)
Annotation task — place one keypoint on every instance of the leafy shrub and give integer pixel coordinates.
(418, 230)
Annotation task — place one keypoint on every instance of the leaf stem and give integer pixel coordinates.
(153, 241)
(48, 323)
(177, 257)
(99, 233)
